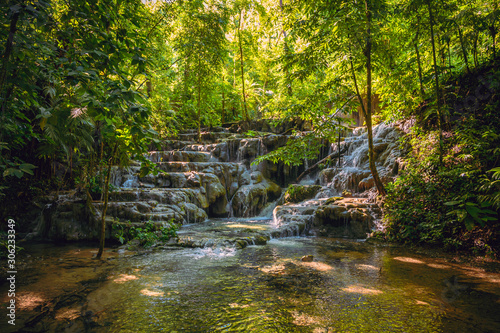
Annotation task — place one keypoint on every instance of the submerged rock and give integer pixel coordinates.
(307, 258)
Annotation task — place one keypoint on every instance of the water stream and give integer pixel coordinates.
(247, 274)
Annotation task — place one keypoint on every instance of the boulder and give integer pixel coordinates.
(298, 193)
(307, 258)
(249, 200)
(348, 217)
(216, 195)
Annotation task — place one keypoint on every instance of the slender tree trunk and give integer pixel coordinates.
(464, 52)
(199, 102)
(223, 107)
(493, 31)
(476, 59)
(436, 77)
(368, 51)
(105, 208)
(419, 63)
(5, 61)
(449, 55)
(245, 110)
(186, 78)
(286, 51)
(339, 145)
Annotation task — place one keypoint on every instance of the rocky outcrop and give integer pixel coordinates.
(332, 217)
(250, 199)
(217, 179)
(354, 173)
(194, 182)
(297, 193)
(347, 217)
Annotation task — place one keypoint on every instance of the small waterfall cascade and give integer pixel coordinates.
(215, 182)
(354, 175)
(339, 204)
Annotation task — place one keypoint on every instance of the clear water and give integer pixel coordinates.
(348, 287)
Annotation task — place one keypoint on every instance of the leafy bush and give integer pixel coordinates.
(148, 235)
(452, 205)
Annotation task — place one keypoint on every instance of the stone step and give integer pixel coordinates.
(179, 156)
(161, 196)
(182, 213)
(206, 167)
(206, 137)
(188, 179)
(172, 144)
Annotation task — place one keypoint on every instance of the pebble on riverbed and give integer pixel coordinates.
(307, 258)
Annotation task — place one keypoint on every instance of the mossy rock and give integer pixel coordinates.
(298, 193)
(332, 200)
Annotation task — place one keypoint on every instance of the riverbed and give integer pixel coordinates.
(349, 286)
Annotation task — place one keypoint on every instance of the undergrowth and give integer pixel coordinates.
(453, 203)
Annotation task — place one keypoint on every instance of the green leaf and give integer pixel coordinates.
(144, 171)
(469, 224)
(27, 168)
(473, 211)
(13, 172)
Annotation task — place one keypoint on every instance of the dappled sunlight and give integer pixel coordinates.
(482, 274)
(151, 293)
(29, 300)
(319, 266)
(122, 278)
(67, 314)
(357, 289)
(409, 260)
(274, 269)
(246, 226)
(368, 268)
(439, 266)
(303, 319)
(238, 306)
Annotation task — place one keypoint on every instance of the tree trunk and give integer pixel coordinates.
(245, 111)
(286, 51)
(464, 52)
(105, 208)
(476, 59)
(436, 76)
(368, 51)
(419, 63)
(5, 61)
(223, 116)
(199, 102)
(316, 165)
(493, 31)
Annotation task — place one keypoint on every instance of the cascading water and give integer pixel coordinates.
(235, 275)
(217, 180)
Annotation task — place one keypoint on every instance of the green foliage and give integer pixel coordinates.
(294, 152)
(471, 213)
(298, 193)
(490, 189)
(147, 235)
(455, 204)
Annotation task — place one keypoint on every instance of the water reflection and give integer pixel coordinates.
(348, 287)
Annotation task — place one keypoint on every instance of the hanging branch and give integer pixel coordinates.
(316, 165)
